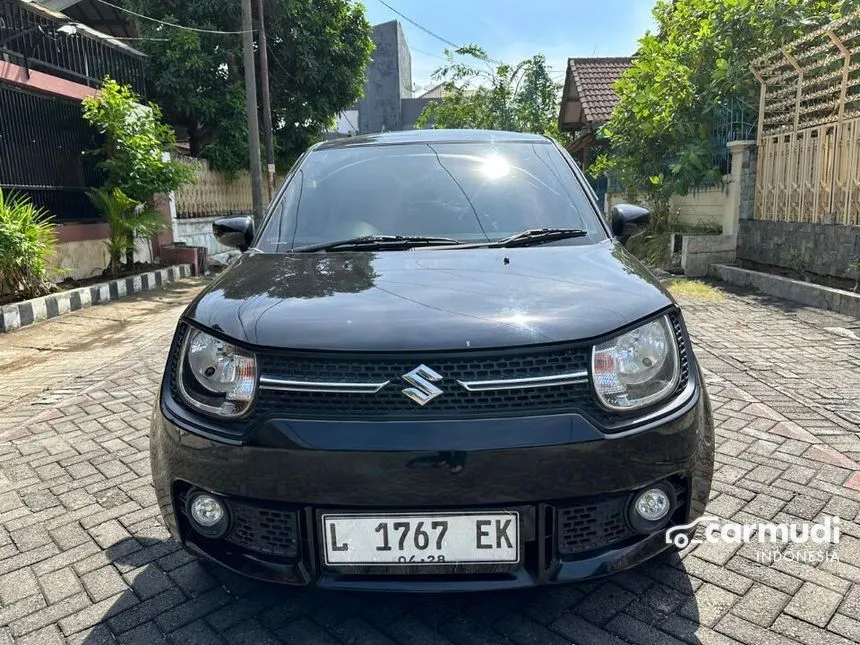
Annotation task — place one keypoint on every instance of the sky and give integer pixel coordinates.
(512, 30)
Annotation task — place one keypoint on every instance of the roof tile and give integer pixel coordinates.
(592, 79)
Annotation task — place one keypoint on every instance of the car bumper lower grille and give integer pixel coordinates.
(590, 526)
(264, 530)
(581, 527)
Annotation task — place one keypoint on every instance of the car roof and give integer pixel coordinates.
(433, 136)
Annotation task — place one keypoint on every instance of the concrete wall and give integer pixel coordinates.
(704, 207)
(389, 79)
(411, 109)
(825, 249)
(81, 250)
(198, 232)
(699, 252)
(404, 64)
(746, 206)
(88, 258)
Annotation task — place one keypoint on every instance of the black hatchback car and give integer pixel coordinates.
(434, 367)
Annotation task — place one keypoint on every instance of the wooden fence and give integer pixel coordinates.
(809, 127)
(214, 195)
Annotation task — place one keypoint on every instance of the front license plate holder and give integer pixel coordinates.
(358, 532)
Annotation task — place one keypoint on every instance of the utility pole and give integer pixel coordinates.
(267, 103)
(251, 106)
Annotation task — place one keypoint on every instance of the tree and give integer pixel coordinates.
(661, 131)
(490, 95)
(318, 51)
(136, 139)
(133, 155)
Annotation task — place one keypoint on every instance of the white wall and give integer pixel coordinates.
(88, 258)
(198, 232)
(705, 207)
(346, 122)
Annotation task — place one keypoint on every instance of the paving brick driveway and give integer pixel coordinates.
(84, 557)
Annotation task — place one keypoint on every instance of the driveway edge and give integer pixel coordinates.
(29, 312)
(805, 293)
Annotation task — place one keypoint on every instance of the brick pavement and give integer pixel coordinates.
(84, 557)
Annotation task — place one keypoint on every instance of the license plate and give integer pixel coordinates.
(421, 538)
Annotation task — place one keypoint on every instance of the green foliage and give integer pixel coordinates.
(135, 142)
(661, 130)
(318, 51)
(488, 95)
(27, 240)
(128, 221)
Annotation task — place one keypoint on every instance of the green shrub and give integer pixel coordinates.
(27, 240)
(127, 220)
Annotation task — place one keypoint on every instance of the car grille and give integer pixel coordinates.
(389, 403)
(264, 530)
(456, 401)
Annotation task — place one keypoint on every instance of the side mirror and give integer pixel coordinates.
(237, 232)
(627, 220)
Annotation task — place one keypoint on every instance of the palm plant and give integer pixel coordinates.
(127, 220)
(27, 241)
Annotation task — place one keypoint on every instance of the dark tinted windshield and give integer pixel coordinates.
(471, 192)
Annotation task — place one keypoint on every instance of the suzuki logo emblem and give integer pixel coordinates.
(421, 378)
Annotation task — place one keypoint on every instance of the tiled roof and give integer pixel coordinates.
(589, 84)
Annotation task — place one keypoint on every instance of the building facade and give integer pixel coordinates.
(48, 64)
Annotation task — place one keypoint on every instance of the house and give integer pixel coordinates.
(588, 99)
(48, 64)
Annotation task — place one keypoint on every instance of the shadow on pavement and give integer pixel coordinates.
(175, 597)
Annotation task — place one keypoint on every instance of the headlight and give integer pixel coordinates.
(637, 368)
(215, 376)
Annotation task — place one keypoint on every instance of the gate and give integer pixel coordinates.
(44, 146)
(809, 128)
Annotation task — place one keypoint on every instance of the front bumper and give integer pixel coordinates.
(552, 468)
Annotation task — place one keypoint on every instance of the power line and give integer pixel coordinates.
(421, 51)
(280, 64)
(420, 26)
(348, 120)
(171, 24)
(140, 38)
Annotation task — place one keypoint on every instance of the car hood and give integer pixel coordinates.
(429, 299)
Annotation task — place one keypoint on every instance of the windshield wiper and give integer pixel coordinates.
(378, 242)
(528, 237)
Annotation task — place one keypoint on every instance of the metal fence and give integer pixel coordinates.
(734, 120)
(44, 153)
(30, 36)
(809, 127)
(213, 194)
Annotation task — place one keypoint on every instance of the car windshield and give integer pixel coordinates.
(468, 192)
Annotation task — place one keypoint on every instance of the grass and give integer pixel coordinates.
(694, 290)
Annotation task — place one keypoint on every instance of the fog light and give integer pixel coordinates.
(208, 514)
(653, 505)
(651, 509)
